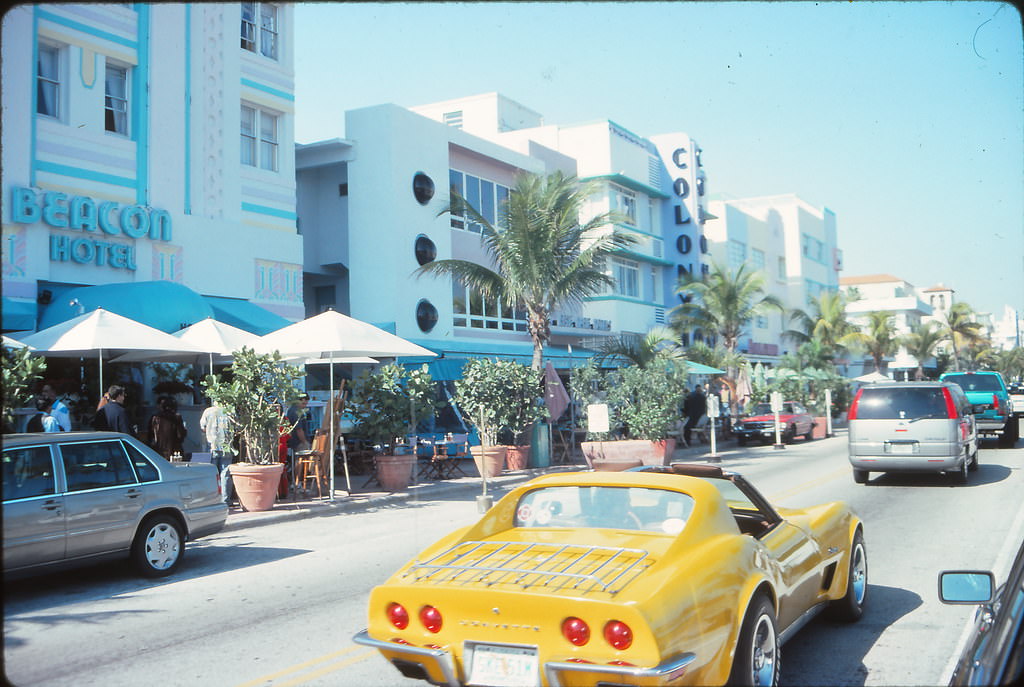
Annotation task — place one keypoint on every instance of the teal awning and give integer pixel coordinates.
(163, 305)
(245, 315)
(521, 352)
(18, 315)
(698, 369)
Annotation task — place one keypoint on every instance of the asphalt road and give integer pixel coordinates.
(277, 605)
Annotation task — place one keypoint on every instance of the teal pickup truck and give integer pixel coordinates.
(991, 399)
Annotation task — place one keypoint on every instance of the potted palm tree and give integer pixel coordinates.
(386, 404)
(260, 388)
(497, 396)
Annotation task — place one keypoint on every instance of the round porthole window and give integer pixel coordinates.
(684, 244)
(426, 251)
(422, 188)
(682, 188)
(426, 315)
(679, 157)
(703, 244)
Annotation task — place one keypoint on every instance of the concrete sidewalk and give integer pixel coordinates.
(467, 488)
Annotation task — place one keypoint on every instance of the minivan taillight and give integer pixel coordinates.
(852, 414)
(950, 406)
(995, 404)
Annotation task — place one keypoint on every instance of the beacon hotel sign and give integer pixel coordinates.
(97, 222)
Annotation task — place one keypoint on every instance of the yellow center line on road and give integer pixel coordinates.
(331, 668)
(312, 662)
(807, 485)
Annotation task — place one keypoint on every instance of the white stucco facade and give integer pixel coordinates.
(124, 156)
(792, 243)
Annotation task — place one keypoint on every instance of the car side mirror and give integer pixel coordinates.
(966, 586)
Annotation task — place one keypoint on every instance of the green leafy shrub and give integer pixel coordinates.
(499, 394)
(389, 402)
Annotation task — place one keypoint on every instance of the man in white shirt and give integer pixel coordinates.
(217, 426)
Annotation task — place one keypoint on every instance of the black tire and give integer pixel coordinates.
(159, 546)
(851, 607)
(789, 436)
(810, 433)
(756, 661)
(1011, 432)
(860, 476)
(960, 474)
(974, 460)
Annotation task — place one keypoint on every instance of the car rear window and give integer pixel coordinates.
(901, 404)
(975, 382)
(631, 508)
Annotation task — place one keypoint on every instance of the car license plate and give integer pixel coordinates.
(497, 665)
(902, 449)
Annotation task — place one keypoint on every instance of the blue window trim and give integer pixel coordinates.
(79, 173)
(188, 108)
(624, 299)
(642, 257)
(268, 89)
(141, 8)
(140, 108)
(264, 210)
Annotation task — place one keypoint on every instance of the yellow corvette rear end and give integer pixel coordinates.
(527, 596)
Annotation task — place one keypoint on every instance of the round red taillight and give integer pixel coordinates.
(431, 618)
(618, 634)
(398, 616)
(576, 631)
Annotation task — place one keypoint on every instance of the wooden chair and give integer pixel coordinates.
(445, 464)
(309, 464)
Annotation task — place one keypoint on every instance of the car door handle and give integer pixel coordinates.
(134, 493)
(51, 505)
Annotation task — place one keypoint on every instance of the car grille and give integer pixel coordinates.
(521, 565)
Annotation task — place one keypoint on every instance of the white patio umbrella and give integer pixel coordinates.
(14, 343)
(870, 377)
(210, 336)
(336, 335)
(102, 330)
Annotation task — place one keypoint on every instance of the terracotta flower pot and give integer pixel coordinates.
(517, 457)
(493, 461)
(628, 451)
(395, 472)
(256, 485)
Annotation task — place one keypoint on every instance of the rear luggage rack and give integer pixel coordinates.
(554, 566)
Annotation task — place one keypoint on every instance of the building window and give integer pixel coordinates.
(472, 310)
(626, 274)
(259, 138)
(782, 267)
(48, 81)
(813, 249)
(625, 204)
(453, 119)
(486, 197)
(757, 259)
(262, 39)
(116, 103)
(737, 253)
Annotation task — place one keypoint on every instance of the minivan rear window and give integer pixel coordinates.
(974, 382)
(901, 404)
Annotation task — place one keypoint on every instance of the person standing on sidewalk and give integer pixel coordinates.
(695, 405)
(58, 410)
(216, 424)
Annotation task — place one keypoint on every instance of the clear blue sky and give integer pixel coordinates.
(903, 118)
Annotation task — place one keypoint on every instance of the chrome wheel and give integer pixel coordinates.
(159, 546)
(859, 573)
(764, 654)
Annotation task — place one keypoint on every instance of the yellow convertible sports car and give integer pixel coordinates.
(680, 574)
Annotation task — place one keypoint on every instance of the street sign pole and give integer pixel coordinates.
(828, 412)
(713, 411)
(776, 403)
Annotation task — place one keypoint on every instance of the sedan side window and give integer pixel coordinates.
(97, 464)
(28, 472)
(146, 470)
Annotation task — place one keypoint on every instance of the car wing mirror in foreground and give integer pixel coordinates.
(966, 586)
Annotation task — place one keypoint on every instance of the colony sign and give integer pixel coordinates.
(96, 221)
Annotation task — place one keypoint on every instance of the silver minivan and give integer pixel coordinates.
(912, 427)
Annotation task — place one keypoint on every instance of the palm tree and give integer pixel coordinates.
(1010, 363)
(643, 350)
(723, 302)
(879, 338)
(921, 343)
(826, 323)
(959, 328)
(542, 256)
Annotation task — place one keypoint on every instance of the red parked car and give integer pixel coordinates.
(794, 420)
